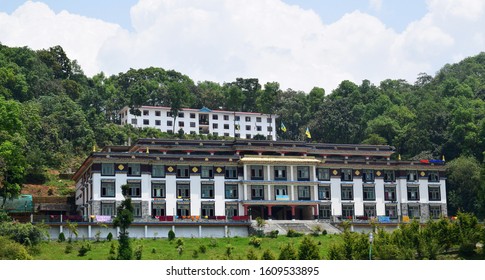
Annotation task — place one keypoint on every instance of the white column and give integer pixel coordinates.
(245, 191)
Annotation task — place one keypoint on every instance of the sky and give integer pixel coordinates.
(299, 44)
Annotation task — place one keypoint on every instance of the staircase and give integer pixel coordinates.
(306, 227)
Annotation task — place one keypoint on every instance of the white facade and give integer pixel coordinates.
(297, 186)
(243, 125)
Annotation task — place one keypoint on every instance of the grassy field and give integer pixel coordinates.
(162, 249)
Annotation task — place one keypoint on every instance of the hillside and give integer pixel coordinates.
(52, 115)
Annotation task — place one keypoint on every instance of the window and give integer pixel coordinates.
(181, 124)
(158, 122)
(258, 119)
(134, 121)
(391, 211)
(231, 172)
(323, 174)
(435, 211)
(192, 124)
(389, 193)
(248, 119)
(324, 212)
(192, 115)
(136, 209)
(226, 117)
(183, 171)
(134, 189)
(158, 209)
(324, 192)
(269, 120)
(256, 172)
(280, 173)
(207, 209)
(413, 193)
(158, 189)
(303, 192)
(226, 126)
(108, 209)
(230, 191)
(370, 210)
(346, 175)
(146, 122)
(303, 173)
(231, 210)
(215, 134)
(157, 113)
(107, 169)
(108, 188)
(433, 177)
(257, 192)
(183, 209)
(412, 176)
(434, 193)
(181, 115)
(169, 114)
(248, 136)
(226, 134)
(389, 176)
(414, 211)
(270, 128)
(347, 211)
(248, 127)
(183, 190)
(207, 172)
(207, 190)
(215, 117)
(134, 169)
(258, 128)
(169, 123)
(281, 191)
(215, 126)
(158, 171)
(369, 193)
(347, 192)
(238, 118)
(368, 175)
(146, 112)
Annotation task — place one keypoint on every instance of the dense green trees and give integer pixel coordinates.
(52, 114)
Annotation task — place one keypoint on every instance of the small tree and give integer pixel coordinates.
(288, 252)
(171, 235)
(308, 249)
(72, 227)
(268, 255)
(123, 220)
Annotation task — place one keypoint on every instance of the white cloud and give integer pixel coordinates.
(376, 5)
(35, 25)
(220, 40)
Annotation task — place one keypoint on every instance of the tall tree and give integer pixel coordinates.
(123, 220)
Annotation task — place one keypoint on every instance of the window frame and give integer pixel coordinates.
(105, 168)
(207, 187)
(344, 190)
(159, 185)
(231, 191)
(104, 189)
(324, 193)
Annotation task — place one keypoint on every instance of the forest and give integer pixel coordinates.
(52, 115)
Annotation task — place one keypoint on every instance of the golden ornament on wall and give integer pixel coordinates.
(335, 172)
(170, 169)
(195, 169)
(121, 167)
(378, 173)
(219, 170)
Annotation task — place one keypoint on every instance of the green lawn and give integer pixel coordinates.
(162, 249)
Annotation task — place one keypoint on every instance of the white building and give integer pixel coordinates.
(281, 180)
(243, 125)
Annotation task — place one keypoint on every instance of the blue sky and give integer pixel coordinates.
(300, 44)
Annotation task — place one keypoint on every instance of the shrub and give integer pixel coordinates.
(288, 252)
(24, 233)
(68, 249)
(274, 233)
(293, 233)
(324, 232)
(138, 252)
(179, 242)
(154, 251)
(316, 230)
(252, 254)
(180, 249)
(171, 235)
(61, 237)
(255, 241)
(112, 249)
(308, 249)
(267, 255)
(11, 250)
(229, 249)
(195, 254)
(109, 237)
(202, 249)
(83, 250)
(213, 243)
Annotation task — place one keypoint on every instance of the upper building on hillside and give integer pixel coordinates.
(243, 125)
